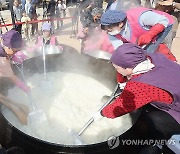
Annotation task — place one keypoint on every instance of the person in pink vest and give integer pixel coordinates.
(46, 39)
(10, 43)
(97, 40)
(140, 26)
(93, 38)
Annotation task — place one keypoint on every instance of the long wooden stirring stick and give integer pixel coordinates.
(21, 111)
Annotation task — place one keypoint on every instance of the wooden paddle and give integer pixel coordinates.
(21, 111)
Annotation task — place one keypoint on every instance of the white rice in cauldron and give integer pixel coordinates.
(74, 99)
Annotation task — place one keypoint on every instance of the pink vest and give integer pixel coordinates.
(40, 43)
(133, 16)
(52, 41)
(98, 40)
(106, 43)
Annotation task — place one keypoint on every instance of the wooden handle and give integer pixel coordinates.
(24, 108)
(20, 112)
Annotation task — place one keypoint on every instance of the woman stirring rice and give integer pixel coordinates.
(10, 43)
(151, 79)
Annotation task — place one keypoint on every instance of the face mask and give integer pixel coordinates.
(115, 32)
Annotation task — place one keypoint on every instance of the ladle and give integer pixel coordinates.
(46, 85)
(105, 100)
(91, 120)
(36, 115)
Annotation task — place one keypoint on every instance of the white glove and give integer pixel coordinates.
(97, 116)
(5, 68)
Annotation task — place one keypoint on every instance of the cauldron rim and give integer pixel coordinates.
(59, 144)
(65, 145)
(51, 143)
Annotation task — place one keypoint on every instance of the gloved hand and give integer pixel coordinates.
(97, 116)
(22, 86)
(19, 57)
(147, 37)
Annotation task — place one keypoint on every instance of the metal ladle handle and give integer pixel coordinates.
(44, 61)
(28, 93)
(104, 105)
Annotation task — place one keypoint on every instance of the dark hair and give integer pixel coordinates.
(167, 9)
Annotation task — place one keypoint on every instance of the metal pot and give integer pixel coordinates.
(48, 49)
(98, 54)
(68, 61)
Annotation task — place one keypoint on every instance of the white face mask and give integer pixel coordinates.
(115, 32)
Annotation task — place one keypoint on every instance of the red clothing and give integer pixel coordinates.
(134, 96)
(162, 48)
(120, 78)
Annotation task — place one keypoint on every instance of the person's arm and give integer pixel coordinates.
(150, 18)
(134, 96)
(28, 19)
(154, 23)
(5, 68)
(91, 45)
(6, 71)
(20, 84)
(14, 79)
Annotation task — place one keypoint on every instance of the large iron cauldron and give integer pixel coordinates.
(69, 61)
